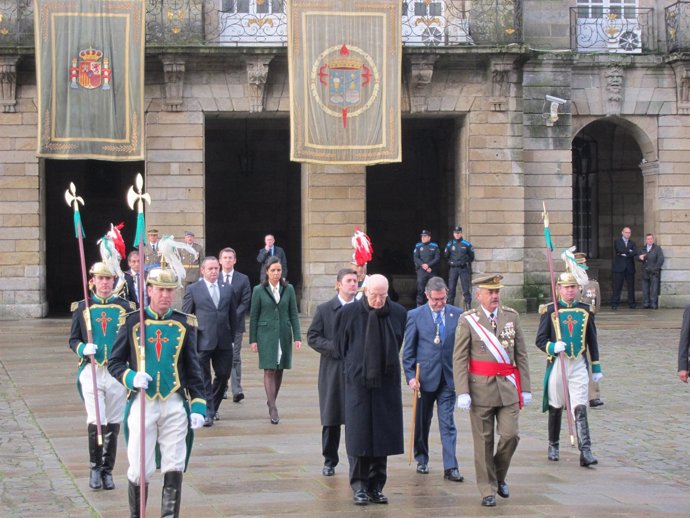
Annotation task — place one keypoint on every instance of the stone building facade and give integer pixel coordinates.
(481, 150)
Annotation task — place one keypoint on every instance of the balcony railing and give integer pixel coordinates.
(619, 30)
(677, 18)
(16, 23)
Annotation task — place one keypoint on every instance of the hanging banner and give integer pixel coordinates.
(345, 79)
(90, 78)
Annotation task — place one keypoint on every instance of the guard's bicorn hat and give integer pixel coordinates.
(100, 268)
(162, 277)
(567, 279)
(490, 281)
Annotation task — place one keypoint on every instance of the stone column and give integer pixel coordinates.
(333, 203)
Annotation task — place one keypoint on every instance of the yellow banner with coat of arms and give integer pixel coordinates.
(90, 78)
(345, 80)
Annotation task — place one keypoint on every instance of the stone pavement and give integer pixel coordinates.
(244, 466)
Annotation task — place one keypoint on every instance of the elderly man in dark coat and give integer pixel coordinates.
(320, 337)
(369, 334)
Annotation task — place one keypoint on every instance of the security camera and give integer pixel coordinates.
(554, 99)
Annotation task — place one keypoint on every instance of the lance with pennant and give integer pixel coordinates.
(135, 200)
(557, 325)
(73, 201)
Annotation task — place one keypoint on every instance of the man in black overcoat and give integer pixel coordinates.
(320, 337)
(369, 335)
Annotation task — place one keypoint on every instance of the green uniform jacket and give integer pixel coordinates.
(271, 323)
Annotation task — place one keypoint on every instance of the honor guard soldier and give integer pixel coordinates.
(171, 360)
(191, 264)
(106, 311)
(151, 252)
(459, 254)
(427, 259)
(491, 374)
(578, 337)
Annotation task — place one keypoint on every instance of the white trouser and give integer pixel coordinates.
(578, 383)
(112, 396)
(166, 423)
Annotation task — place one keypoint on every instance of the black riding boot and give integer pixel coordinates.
(95, 458)
(135, 498)
(172, 494)
(554, 432)
(584, 442)
(109, 454)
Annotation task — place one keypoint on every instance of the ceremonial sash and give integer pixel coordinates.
(503, 367)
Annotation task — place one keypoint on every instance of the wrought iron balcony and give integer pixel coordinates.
(624, 29)
(250, 23)
(677, 18)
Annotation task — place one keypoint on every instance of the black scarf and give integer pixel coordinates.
(380, 351)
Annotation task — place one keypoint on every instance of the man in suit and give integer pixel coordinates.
(191, 264)
(429, 342)
(243, 296)
(684, 347)
(269, 250)
(151, 254)
(132, 278)
(652, 257)
(216, 311)
(624, 252)
(491, 375)
(320, 337)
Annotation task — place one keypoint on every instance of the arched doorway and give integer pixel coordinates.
(608, 193)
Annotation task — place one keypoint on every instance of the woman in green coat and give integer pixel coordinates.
(273, 324)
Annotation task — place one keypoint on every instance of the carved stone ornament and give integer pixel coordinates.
(682, 71)
(8, 83)
(173, 74)
(614, 75)
(257, 74)
(421, 70)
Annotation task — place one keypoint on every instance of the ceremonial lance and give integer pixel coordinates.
(135, 200)
(415, 396)
(557, 325)
(73, 201)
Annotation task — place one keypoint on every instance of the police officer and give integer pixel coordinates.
(459, 254)
(427, 257)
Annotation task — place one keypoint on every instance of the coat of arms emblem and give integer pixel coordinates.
(92, 70)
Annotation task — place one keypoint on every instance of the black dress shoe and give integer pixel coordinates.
(422, 468)
(360, 497)
(489, 501)
(328, 471)
(593, 403)
(237, 397)
(216, 416)
(377, 497)
(502, 490)
(453, 474)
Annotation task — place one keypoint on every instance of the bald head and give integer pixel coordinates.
(376, 291)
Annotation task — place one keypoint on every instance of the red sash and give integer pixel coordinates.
(481, 368)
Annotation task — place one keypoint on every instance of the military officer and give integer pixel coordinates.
(459, 254)
(171, 359)
(191, 264)
(151, 254)
(427, 259)
(105, 313)
(577, 336)
(492, 381)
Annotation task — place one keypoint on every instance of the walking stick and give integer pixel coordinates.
(137, 198)
(415, 396)
(73, 201)
(557, 325)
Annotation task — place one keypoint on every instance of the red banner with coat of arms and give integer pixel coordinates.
(90, 78)
(345, 80)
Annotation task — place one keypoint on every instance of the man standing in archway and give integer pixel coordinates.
(624, 251)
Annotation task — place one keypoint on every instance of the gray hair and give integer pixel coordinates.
(435, 284)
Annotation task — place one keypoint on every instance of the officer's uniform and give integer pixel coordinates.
(459, 254)
(191, 264)
(105, 315)
(151, 255)
(578, 331)
(171, 360)
(430, 254)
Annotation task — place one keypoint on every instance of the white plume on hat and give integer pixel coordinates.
(168, 249)
(572, 266)
(109, 247)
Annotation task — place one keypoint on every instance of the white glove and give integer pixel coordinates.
(141, 380)
(464, 401)
(596, 377)
(526, 398)
(89, 349)
(197, 420)
(558, 347)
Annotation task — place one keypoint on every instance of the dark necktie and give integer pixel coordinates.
(492, 317)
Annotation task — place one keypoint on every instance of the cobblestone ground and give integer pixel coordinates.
(243, 466)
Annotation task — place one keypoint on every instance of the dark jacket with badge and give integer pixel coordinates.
(459, 253)
(427, 253)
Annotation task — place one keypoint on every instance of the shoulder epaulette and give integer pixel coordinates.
(419, 244)
(132, 305)
(433, 243)
(466, 242)
(469, 312)
(74, 306)
(509, 310)
(449, 243)
(544, 308)
(192, 321)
